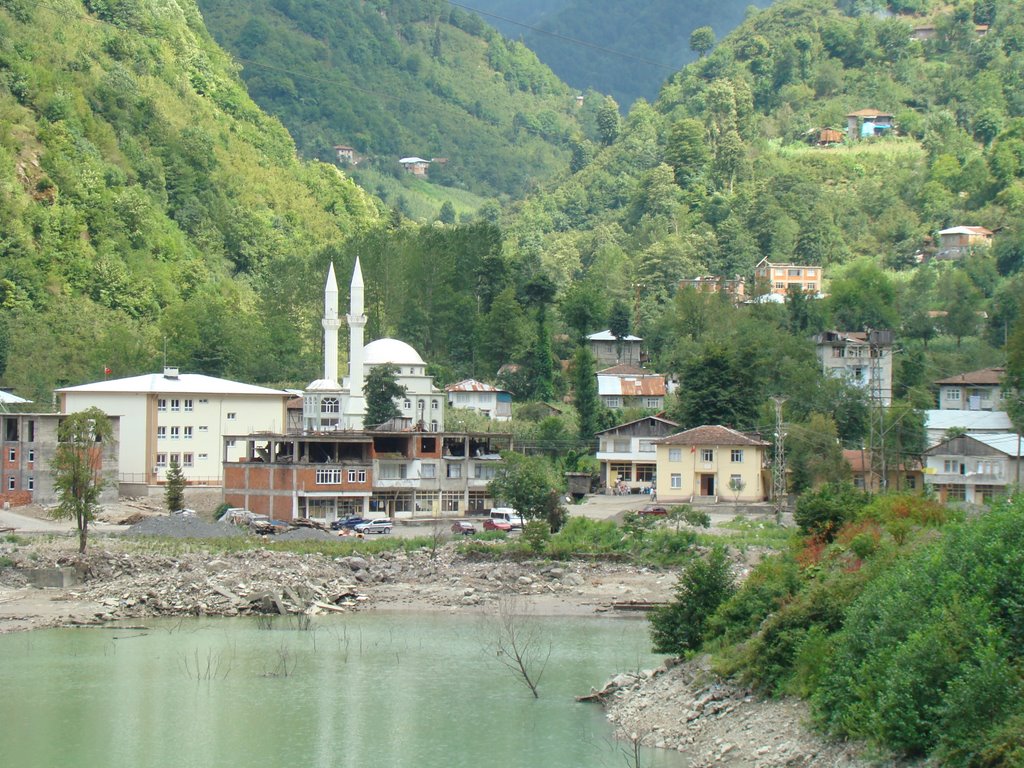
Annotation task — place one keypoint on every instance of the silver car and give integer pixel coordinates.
(380, 525)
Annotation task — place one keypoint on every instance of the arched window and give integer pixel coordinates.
(330, 405)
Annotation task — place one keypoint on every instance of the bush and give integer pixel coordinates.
(536, 535)
(705, 583)
(823, 512)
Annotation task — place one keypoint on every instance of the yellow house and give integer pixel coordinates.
(711, 463)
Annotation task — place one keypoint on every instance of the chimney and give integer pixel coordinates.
(170, 373)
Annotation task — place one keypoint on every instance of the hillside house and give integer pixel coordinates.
(626, 386)
(608, 350)
(862, 358)
(938, 423)
(628, 455)
(974, 468)
(957, 242)
(865, 123)
(345, 154)
(709, 464)
(907, 476)
(777, 279)
(181, 417)
(492, 402)
(417, 166)
(735, 288)
(974, 391)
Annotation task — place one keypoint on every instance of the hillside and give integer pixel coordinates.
(627, 49)
(395, 79)
(150, 210)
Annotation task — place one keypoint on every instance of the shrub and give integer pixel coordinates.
(705, 583)
(536, 535)
(823, 512)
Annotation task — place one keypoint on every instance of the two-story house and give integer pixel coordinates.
(626, 386)
(491, 401)
(417, 166)
(974, 391)
(711, 463)
(865, 123)
(957, 242)
(628, 455)
(777, 279)
(975, 467)
(862, 358)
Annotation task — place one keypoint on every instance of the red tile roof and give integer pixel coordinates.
(984, 376)
(710, 435)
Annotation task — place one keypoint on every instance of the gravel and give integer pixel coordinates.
(183, 527)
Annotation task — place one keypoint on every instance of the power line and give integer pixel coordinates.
(567, 39)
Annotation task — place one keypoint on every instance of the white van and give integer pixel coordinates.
(509, 515)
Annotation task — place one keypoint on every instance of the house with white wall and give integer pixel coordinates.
(973, 468)
(628, 455)
(491, 401)
(178, 416)
(972, 391)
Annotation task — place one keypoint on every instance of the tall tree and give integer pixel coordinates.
(961, 301)
(719, 387)
(174, 490)
(78, 468)
(540, 292)
(702, 40)
(381, 390)
(608, 120)
(584, 384)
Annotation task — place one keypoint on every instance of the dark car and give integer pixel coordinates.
(654, 509)
(466, 529)
(348, 522)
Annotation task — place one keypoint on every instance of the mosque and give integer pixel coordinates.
(331, 465)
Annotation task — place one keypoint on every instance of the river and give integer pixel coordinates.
(366, 690)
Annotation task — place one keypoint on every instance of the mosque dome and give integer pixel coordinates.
(392, 351)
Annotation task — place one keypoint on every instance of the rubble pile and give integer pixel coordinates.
(687, 708)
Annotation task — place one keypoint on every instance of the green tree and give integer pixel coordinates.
(382, 390)
(78, 468)
(814, 454)
(686, 150)
(721, 388)
(705, 583)
(608, 120)
(174, 490)
(447, 213)
(824, 511)
(702, 40)
(528, 484)
(540, 292)
(584, 384)
(961, 301)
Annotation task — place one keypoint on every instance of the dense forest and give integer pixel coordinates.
(396, 79)
(625, 48)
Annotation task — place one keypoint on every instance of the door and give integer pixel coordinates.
(707, 485)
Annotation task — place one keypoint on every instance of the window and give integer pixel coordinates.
(794, 272)
(676, 481)
(186, 460)
(653, 402)
(328, 476)
(838, 351)
(810, 273)
(647, 446)
(407, 404)
(232, 415)
(12, 454)
(956, 492)
(675, 454)
(31, 455)
(953, 393)
(911, 482)
(622, 471)
(357, 475)
(203, 401)
(175, 404)
(12, 483)
(707, 454)
(735, 483)
(161, 433)
(428, 470)
(736, 455)
(203, 457)
(175, 433)
(645, 473)
(31, 431)
(454, 470)
(613, 402)
(952, 467)
(161, 459)
(186, 432)
(433, 405)
(161, 404)
(484, 471)
(780, 285)
(188, 405)
(231, 443)
(175, 458)
(621, 446)
(812, 287)
(204, 428)
(31, 483)
(327, 405)
(392, 471)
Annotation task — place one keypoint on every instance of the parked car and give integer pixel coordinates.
(348, 522)
(461, 526)
(380, 525)
(490, 524)
(509, 515)
(654, 509)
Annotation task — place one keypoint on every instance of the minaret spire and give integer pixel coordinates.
(331, 324)
(355, 407)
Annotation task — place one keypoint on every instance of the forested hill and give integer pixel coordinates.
(626, 48)
(403, 78)
(149, 209)
(721, 171)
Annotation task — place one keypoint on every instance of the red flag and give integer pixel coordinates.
(693, 449)
(107, 371)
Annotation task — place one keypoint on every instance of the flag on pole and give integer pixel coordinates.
(107, 371)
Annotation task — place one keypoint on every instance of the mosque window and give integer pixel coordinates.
(330, 405)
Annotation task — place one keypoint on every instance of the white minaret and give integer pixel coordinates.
(355, 404)
(331, 324)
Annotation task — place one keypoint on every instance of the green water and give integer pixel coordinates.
(372, 690)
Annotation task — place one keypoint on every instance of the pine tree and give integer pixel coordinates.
(174, 491)
(584, 384)
(381, 390)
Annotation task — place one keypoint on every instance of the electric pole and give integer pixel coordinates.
(779, 462)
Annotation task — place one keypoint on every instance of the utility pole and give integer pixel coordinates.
(879, 474)
(779, 462)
